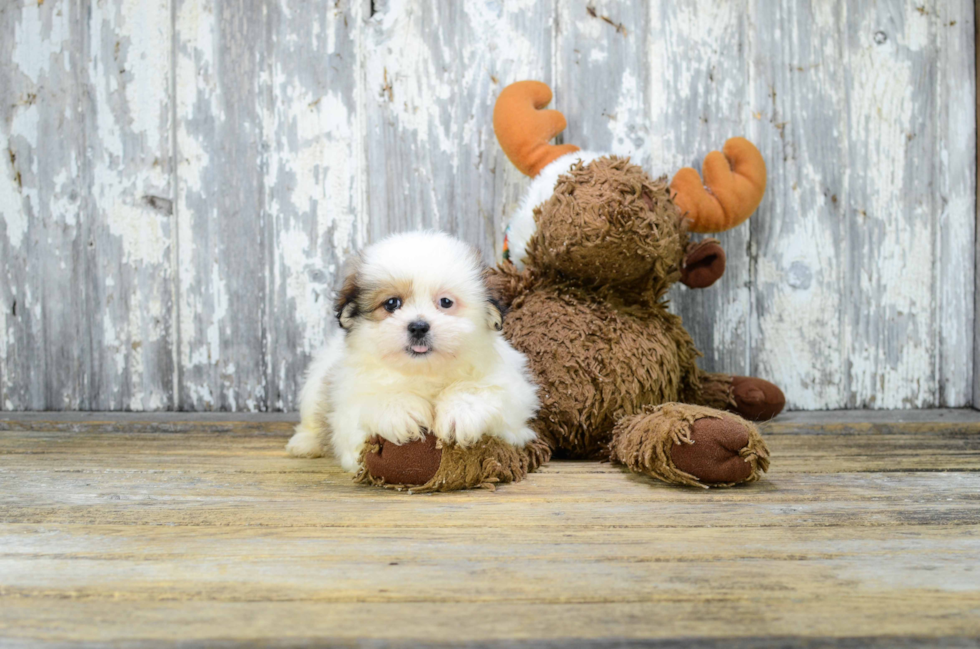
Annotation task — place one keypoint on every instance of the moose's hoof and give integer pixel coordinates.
(411, 463)
(714, 457)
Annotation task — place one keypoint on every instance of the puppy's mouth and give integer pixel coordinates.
(419, 348)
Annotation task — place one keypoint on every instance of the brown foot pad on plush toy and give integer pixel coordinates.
(714, 455)
(756, 399)
(412, 463)
(690, 445)
(427, 465)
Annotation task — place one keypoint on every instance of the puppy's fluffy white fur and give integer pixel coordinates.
(460, 379)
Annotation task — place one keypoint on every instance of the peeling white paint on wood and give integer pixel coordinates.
(85, 231)
(182, 180)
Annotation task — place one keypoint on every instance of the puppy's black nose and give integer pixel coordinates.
(418, 328)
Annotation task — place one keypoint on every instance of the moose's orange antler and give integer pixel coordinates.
(735, 180)
(523, 129)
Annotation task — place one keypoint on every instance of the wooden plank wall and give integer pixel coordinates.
(976, 321)
(182, 179)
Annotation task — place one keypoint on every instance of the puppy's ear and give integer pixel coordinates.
(493, 309)
(495, 314)
(345, 306)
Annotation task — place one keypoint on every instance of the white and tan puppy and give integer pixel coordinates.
(419, 348)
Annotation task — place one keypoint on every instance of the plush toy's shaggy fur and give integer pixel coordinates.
(589, 304)
(590, 313)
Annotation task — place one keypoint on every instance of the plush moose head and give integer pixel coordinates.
(605, 220)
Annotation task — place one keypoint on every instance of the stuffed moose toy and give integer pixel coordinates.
(589, 257)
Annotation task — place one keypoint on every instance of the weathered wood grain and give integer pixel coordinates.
(142, 537)
(957, 200)
(700, 75)
(521, 46)
(223, 251)
(744, 621)
(976, 275)
(183, 180)
(85, 206)
(585, 569)
(432, 73)
(800, 274)
(896, 103)
(314, 178)
(277, 96)
(410, 77)
(498, 43)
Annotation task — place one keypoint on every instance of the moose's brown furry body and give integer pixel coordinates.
(597, 359)
(589, 308)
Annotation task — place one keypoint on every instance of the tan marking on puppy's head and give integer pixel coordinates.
(346, 306)
(362, 299)
(375, 295)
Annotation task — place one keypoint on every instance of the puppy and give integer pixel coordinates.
(419, 348)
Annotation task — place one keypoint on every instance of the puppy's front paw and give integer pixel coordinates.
(461, 417)
(305, 443)
(399, 420)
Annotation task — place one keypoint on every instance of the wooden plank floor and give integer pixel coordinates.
(143, 530)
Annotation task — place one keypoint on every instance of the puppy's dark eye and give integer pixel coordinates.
(392, 304)
(445, 303)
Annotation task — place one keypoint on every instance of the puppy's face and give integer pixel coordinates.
(417, 300)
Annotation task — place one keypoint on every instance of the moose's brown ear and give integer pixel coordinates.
(345, 306)
(704, 264)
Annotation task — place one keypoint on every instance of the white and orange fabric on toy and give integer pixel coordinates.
(733, 185)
